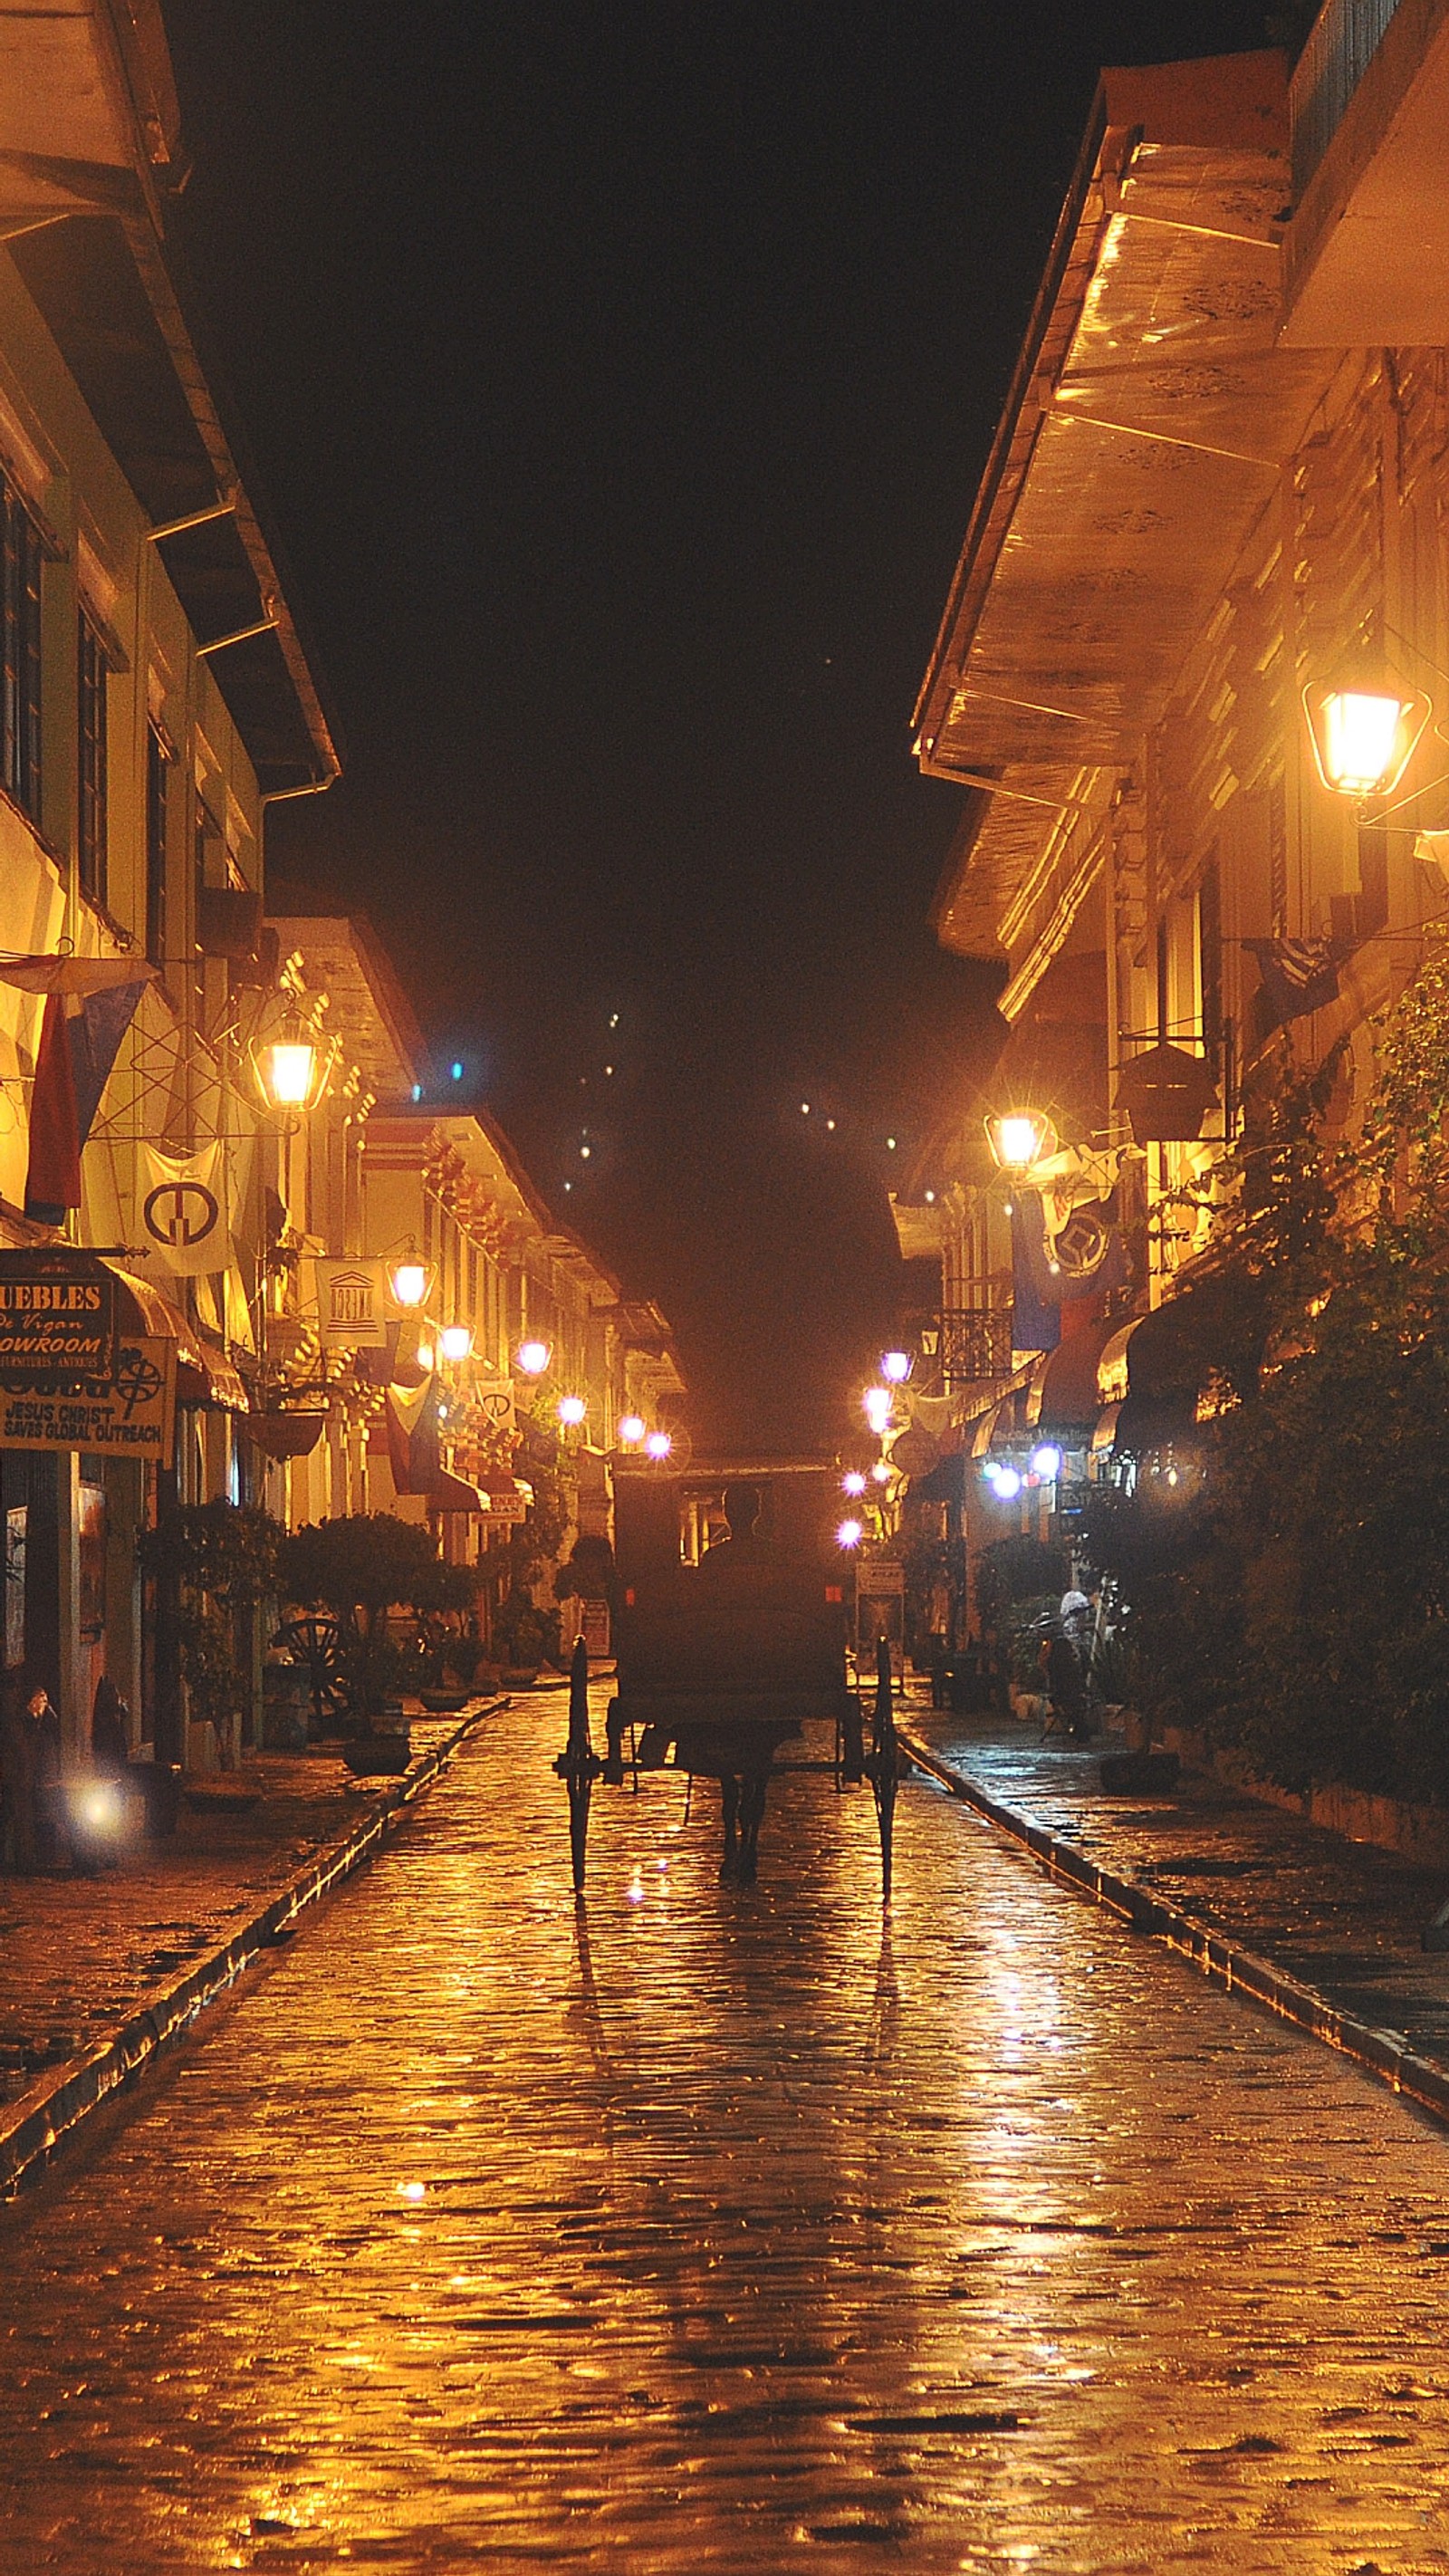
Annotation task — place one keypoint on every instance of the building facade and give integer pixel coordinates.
(207, 1120)
(1211, 531)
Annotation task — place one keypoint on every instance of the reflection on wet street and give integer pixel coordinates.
(725, 2231)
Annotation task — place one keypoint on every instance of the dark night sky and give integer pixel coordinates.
(620, 374)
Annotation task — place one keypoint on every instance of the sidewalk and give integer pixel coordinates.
(82, 1957)
(1239, 1882)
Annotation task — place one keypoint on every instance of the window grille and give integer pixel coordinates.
(20, 645)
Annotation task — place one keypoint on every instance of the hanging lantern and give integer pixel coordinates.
(1365, 725)
(1165, 1094)
(1018, 1138)
(292, 1070)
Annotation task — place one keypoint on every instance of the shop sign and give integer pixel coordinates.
(127, 1411)
(503, 1508)
(57, 1317)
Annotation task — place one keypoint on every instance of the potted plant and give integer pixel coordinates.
(361, 1568)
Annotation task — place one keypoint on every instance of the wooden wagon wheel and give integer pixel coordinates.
(883, 1762)
(316, 1641)
(578, 1763)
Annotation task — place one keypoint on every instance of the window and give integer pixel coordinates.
(91, 763)
(158, 764)
(20, 645)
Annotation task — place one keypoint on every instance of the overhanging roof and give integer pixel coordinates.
(89, 153)
(1148, 421)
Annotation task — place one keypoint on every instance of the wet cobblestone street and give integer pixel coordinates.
(726, 2230)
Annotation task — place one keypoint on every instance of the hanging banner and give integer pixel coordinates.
(128, 1412)
(350, 1305)
(181, 1207)
(493, 1397)
(57, 1315)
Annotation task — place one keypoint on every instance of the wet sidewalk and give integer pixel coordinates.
(1338, 1917)
(80, 1956)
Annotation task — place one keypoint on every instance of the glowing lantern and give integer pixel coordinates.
(658, 1445)
(852, 1484)
(571, 1411)
(895, 1367)
(849, 1534)
(1020, 1137)
(533, 1358)
(632, 1428)
(1365, 726)
(409, 1281)
(455, 1341)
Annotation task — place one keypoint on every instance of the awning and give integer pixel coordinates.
(1063, 1397)
(448, 1493)
(204, 1374)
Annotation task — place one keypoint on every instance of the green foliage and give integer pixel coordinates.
(222, 1560)
(588, 1574)
(361, 1568)
(525, 1635)
(1017, 1569)
(1296, 1602)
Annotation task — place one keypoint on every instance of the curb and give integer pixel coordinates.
(1220, 1958)
(32, 2127)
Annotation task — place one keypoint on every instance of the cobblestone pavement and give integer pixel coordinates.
(1342, 1917)
(78, 1955)
(730, 2230)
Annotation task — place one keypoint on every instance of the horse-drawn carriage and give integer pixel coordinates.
(730, 1626)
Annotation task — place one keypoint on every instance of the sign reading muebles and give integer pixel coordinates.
(128, 1411)
(55, 1319)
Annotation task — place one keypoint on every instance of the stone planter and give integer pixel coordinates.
(372, 1754)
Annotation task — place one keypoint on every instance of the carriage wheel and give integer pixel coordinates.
(883, 1763)
(316, 1641)
(579, 1764)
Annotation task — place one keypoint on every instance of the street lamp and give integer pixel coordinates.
(850, 1534)
(455, 1341)
(879, 1404)
(853, 1484)
(571, 1410)
(291, 1069)
(1364, 725)
(410, 1281)
(632, 1430)
(533, 1357)
(895, 1367)
(882, 1471)
(658, 1445)
(1018, 1138)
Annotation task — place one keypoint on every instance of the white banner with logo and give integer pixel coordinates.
(181, 1210)
(351, 1305)
(493, 1396)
